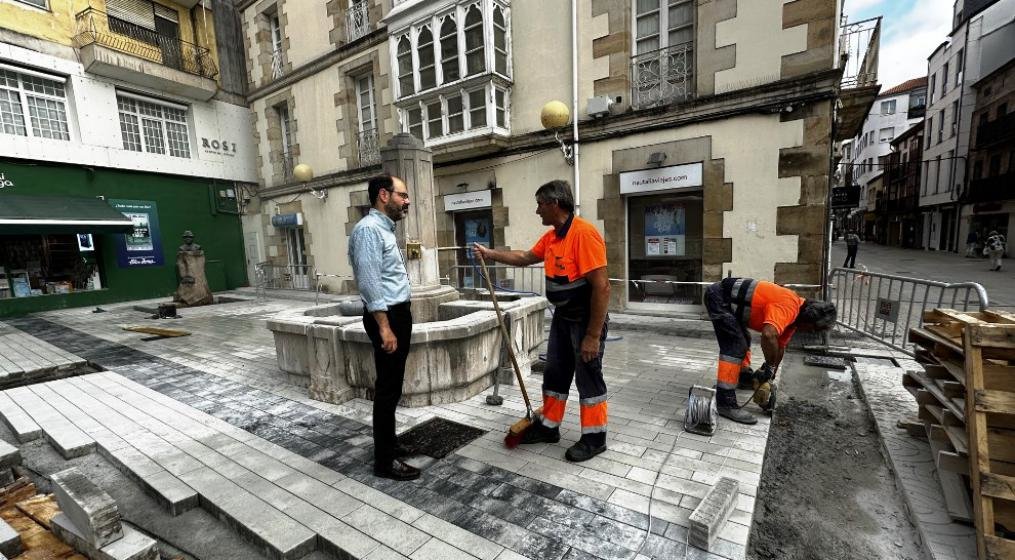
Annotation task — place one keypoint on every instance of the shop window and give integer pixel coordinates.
(665, 233)
(153, 126)
(36, 265)
(33, 104)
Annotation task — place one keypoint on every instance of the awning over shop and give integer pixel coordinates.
(21, 214)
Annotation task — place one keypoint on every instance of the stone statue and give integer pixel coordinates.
(193, 289)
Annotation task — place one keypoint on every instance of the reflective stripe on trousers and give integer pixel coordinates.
(564, 364)
(732, 336)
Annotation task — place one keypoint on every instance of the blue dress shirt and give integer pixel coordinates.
(376, 262)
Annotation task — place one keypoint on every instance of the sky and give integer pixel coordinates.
(910, 31)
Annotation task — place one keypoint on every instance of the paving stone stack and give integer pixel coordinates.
(9, 456)
(90, 521)
(712, 513)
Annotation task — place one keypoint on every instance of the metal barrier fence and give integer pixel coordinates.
(285, 277)
(527, 279)
(884, 307)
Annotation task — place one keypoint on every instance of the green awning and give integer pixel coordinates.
(20, 214)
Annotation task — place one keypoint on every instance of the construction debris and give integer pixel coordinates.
(158, 331)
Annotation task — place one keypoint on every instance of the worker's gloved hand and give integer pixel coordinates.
(765, 373)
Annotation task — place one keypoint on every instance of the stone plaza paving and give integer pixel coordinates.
(208, 420)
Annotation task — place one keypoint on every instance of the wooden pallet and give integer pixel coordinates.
(967, 403)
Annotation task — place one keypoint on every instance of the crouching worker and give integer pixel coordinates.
(737, 304)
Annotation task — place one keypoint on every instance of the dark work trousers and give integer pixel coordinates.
(390, 375)
(734, 339)
(564, 364)
(850, 256)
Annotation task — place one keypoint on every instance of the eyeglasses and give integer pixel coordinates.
(404, 195)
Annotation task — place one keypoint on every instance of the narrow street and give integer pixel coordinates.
(934, 265)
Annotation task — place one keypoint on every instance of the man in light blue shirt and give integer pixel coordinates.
(384, 287)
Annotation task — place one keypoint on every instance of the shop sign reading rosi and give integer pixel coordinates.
(661, 179)
(5, 182)
(217, 146)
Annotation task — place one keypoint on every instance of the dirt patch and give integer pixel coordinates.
(826, 492)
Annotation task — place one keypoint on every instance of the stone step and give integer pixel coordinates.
(69, 440)
(9, 455)
(10, 541)
(24, 428)
(132, 546)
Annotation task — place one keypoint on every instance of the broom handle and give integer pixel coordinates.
(508, 341)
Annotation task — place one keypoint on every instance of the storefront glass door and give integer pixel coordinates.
(664, 246)
(472, 227)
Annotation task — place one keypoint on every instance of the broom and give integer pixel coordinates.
(514, 435)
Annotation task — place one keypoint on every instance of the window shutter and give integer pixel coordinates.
(138, 12)
(167, 13)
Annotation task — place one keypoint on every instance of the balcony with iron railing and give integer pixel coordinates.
(153, 60)
(996, 131)
(859, 47)
(368, 142)
(991, 189)
(663, 76)
(357, 20)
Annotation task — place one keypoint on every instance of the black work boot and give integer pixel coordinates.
(587, 447)
(726, 403)
(538, 433)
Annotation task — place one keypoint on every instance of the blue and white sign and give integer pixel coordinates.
(287, 220)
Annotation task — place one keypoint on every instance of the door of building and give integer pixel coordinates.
(167, 26)
(665, 248)
(298, 273)
(254, 256)
(473, 227)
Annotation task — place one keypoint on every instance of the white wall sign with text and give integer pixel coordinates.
(661, 179)
(467, 201)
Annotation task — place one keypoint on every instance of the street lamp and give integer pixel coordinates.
(555, 116)
(304, 174)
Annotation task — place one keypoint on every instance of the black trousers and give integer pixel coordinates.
(390, 375)
(850, 257)
(734, 339)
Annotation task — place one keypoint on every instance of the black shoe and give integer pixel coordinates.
(396, 470)
(538, 433)
(582, 451)
(738, 415)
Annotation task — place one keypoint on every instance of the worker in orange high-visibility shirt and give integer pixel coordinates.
(574, 260)
(737, 304)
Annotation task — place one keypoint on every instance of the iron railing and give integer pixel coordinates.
(357, 20)
(664, 76)
(277, 67)
(285, 277)
(859, 46)
(287, 161)
(884, 307)
(369, 147)
(95, 27)
(469, 277)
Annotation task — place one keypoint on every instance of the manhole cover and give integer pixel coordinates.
(825, 361)
(439, 437)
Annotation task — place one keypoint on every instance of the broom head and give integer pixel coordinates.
(517, 430)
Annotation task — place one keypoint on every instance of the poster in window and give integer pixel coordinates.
(477, 230)
(664, 230)
(143, 246)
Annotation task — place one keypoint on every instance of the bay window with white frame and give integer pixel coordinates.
(33, 104)
(453, 72)
(153, 125)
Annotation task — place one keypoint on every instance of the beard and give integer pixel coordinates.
(397, 211)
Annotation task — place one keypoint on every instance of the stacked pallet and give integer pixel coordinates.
(966, 396)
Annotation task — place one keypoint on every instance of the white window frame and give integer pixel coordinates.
(369, 80)
(883, 138)
(24, 95)
(890, 105)
(417, 65)
(663, 39)
(507, 40)
(141, 117)
(399, 75)
(441, 57)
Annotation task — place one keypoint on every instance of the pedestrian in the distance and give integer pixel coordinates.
(384, 288)
(852, 245)
(994, 249)
(972, 240)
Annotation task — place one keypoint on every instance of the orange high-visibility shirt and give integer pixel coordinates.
(777, 306)
(573, 252)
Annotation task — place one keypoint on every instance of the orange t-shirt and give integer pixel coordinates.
(777, 306)
(579, 251)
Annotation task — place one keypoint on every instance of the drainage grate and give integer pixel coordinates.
(825, 361)
(437, 438)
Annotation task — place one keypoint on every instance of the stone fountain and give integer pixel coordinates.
(457, 349)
